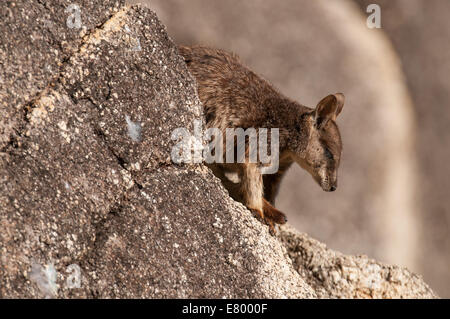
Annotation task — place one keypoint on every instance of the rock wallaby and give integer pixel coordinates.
(235, 97)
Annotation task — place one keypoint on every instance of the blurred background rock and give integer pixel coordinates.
(393, 194)
(420, 33)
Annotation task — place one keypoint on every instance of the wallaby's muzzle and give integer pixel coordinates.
(326, 180)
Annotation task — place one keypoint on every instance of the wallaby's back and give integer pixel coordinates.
(232, 95)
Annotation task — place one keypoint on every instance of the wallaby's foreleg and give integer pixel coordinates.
(252, 191)
(252, 188)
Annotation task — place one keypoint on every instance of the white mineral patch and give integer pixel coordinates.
(134, 129)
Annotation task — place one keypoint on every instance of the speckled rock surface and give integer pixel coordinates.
(37, 38)
(91, 205)
(334, 275)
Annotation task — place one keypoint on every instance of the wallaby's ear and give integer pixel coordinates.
(340, 103)
(328, 109)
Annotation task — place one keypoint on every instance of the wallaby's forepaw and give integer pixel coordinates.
(273, 214)
(270, 215)
(271, 227)
(258, 213)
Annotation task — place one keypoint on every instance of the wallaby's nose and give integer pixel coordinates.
(333, 188)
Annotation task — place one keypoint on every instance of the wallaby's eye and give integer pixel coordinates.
(328, 153)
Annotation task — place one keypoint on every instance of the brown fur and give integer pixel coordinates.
(235, 97)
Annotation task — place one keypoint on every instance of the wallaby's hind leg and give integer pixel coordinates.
(233, 189)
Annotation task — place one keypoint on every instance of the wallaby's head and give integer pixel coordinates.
(321, 155)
